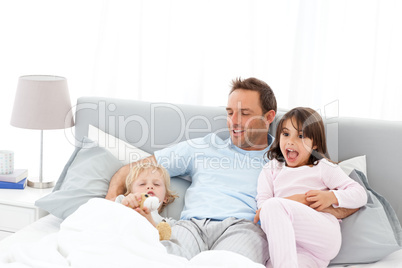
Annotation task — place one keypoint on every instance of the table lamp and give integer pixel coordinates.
(42, 102)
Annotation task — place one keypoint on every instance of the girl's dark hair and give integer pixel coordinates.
(310, 123)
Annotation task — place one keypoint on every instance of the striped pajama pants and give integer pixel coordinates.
(190, 237)
(299, 236)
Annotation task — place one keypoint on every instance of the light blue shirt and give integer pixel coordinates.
(224, 177)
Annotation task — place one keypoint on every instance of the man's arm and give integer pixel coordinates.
(117, 184)
(339, 213)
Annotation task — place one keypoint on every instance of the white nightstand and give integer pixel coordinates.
(17, 209)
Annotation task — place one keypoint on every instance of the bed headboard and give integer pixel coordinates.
(149, 126)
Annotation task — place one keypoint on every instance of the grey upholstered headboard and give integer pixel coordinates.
(381, 142)
(149, 126)
(152, 126)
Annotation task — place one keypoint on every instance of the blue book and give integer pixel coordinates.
(13, 185)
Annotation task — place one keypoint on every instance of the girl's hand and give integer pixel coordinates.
(132, 200)
(321, 199)
(257, 216)
(301, 198)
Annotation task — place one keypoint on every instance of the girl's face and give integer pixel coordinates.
(295, 148)
(152, 183)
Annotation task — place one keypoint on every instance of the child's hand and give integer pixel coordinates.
(147, 214)
(301, 198)
(321, 199)
(257, 216)
(132, 200)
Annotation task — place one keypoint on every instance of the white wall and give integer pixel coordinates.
(344, 55)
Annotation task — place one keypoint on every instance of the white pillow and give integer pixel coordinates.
(358, 163)
(120, 149)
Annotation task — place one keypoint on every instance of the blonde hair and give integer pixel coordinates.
(138, 168)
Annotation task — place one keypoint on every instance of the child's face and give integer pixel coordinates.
(295, 148)
(150, 182)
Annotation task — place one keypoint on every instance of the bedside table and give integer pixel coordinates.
(17, 209)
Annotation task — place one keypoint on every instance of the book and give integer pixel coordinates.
(13, 185)
(17, 176)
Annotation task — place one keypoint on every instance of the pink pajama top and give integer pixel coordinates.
(278, 180)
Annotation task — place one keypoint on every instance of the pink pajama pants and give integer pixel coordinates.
(299, 236)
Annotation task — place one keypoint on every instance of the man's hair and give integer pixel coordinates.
(267, 96)
(138, 168)
(310, 123)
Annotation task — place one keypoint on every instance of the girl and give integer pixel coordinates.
(151, 179)
(300, 235)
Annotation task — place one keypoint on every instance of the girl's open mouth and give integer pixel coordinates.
(291, 154)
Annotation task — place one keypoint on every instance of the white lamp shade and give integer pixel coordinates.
(42, 102)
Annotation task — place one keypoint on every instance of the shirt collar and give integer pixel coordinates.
(270, 141)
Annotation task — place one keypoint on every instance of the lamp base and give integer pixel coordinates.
(35, 183)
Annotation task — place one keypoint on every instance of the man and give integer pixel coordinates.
(220, 202)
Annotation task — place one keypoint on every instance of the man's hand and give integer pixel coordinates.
(321, 199)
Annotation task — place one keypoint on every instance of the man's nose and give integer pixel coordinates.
(236, 118)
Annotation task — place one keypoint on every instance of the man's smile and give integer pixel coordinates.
(238, 132)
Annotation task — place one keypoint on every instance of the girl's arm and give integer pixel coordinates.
(265, 184)
(339, 213)
(321, 199)
(264, 188)
(345, 192)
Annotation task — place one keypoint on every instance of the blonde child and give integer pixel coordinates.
(154, 180)
(300, 235)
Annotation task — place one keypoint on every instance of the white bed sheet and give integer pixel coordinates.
(33, 232)
(51, 224)
(104, 234)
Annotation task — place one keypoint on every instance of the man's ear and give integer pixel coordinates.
(270, 116)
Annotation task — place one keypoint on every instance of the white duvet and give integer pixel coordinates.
(102, 233)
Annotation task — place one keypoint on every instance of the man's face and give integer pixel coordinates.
(247, 125)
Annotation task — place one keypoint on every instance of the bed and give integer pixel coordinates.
(112, 132)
